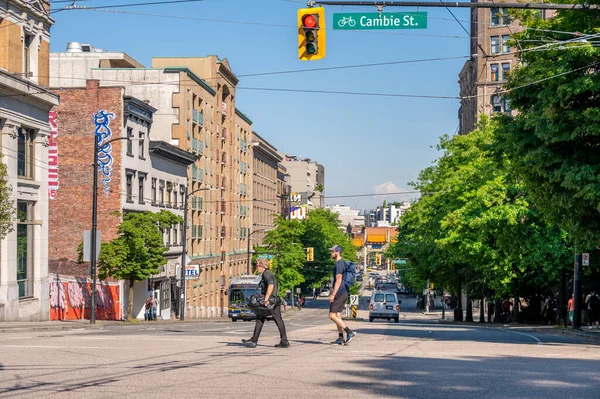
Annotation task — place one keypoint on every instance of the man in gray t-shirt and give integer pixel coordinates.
(338, 297)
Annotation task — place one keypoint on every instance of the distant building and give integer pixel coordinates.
(306, 176)
(348, 216)
(385, 217)
(265, 204)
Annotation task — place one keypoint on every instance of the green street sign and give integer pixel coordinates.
(373, 20)
(399, 261)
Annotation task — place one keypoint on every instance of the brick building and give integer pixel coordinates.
(195, 99)
(482, 76)
(25, 104)
(141, 174)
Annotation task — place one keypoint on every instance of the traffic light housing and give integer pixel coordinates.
(378, 259)
(271, 263)
(310, 254)
(311, 33)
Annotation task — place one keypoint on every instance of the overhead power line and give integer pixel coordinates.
(154, 3)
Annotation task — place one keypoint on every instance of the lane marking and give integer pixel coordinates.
(539, 341)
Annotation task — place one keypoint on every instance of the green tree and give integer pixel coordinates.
(322, 232)
(137, 253)
(552, 139)
(7, 206)
(285, 242)
(474, 228)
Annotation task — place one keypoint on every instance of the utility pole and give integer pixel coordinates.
(577, 293)
(427, 298)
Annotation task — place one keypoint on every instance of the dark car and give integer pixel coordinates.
(359, 277)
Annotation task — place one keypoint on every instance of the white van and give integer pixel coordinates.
(384, 305)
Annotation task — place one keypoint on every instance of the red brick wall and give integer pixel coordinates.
(71, 210)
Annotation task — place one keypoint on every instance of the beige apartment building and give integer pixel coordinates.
(264, 187)
(196, 111)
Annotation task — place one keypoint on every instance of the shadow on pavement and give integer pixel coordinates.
(437, 332)
(472, 377)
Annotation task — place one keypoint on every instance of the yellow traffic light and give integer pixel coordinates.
(271, 263)
(310, 254)
(430, 286)
(311, 33)
(378, 259)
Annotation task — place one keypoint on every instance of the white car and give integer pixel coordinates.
(325, 292)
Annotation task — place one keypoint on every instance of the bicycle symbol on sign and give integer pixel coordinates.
(346, 21)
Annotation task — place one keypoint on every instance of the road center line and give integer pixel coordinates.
(539, 341)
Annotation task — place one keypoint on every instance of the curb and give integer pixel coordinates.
(568, 333)
(595, 338)
(46, 328)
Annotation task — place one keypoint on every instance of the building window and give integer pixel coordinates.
(495, 45)
(169, 189)
(141, 189)
(25, 224)
(175, 240)
(499, 104)
(153, 191)
(130, 141)
(174, 197)
(25, 153)
(27, 45)
(129, 187)
(161, 192)
(167, 237)
(505, 46)
(494, 73)
(506, 105)
(141, 152)
(495, 18)
(505, 70)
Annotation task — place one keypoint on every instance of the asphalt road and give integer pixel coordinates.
(416, 358)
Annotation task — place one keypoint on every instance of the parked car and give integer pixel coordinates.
(325, 292)
(384, 305)
(359, 277)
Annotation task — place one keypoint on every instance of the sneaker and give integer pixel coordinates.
(338, 341)
(283, 344)
(350, 337)
(249, 343)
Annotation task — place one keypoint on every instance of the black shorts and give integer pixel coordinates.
(339, 303)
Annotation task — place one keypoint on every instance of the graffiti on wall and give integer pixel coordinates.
(53, 155)
(69, 300)
(103, 135)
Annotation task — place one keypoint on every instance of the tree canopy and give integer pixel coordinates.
(553, 141)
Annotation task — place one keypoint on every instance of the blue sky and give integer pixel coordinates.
(368, 144)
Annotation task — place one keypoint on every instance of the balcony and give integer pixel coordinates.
(224, 158)
(223, 232)
(223, 183)
(223, 207)
(224, 135)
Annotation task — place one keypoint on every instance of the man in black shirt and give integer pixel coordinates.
(268, 287)
(338, 297)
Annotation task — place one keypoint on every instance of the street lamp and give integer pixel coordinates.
(93, 233)
(250, 256)
(183, 257)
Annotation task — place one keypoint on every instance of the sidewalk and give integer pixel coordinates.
(64, 325)
(590, 335)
